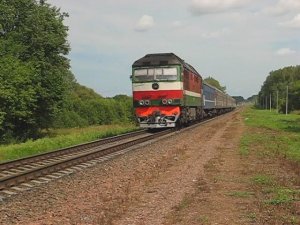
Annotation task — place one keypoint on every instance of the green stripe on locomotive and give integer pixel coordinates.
(192, 101)
(158, 102)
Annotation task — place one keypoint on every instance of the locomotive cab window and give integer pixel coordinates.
(155, 74)
(168, 74)
(143, 75)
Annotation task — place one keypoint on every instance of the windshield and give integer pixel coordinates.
(159, 74)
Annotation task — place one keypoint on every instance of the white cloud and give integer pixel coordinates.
(145, 23)
(106, 36)
(283, 7)
(294, 23)
(285, 51)
(200, 7)
(215, 34)
(177, 24)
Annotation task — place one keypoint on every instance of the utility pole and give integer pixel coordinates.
(277, 101)
(287, 100)
(270, 102)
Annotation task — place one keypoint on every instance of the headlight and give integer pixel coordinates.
(141, 102)
(170, 101)
(164, 101)
(147, 102)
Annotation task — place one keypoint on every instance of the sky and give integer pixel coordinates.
(238, 42)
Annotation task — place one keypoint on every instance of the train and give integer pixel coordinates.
(168, 92)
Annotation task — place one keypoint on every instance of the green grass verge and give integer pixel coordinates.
(272, 133)
(60, 139)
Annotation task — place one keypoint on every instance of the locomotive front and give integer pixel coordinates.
(157, 90)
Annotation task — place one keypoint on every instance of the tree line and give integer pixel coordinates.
(37, 89)
(280, 89)
(84, 107)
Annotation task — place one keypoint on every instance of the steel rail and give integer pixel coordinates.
(64, 151)
(34, 173)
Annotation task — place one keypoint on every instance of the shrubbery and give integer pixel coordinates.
(84, 107)
(37, 89)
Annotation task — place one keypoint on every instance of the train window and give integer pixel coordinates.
(144, 75)
(158, 71)
(170, 71)
(167, 74)
(151, 72)
(163, 74)
(140, 72)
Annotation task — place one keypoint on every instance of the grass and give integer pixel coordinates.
(60, 139)
(251, 216)
(261, 179)
(273, 140)
(272, 120)
(273, 133)
(275, 193)
(283, 195)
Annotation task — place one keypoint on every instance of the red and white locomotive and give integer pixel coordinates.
(168, 92)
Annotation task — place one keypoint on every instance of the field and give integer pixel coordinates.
(61, 138)
(275, 134)
(271, 143)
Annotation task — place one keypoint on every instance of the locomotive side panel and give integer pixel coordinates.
(192, 86)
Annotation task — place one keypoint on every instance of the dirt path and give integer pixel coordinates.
(196, 177)
(166, 193)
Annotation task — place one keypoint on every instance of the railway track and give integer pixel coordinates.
(23, 170)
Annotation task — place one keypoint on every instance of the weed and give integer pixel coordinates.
(283, 196)
(203, 219)
(251, 216)
(240, 194)
(244, 150)
(263, 180)
(183, 204)
(292, 220)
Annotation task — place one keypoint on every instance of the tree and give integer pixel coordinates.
(215, 83)
(276, 85)
(17, 97)
(238, 99)
(33, 46)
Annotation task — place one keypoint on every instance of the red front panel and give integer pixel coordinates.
(166, 110)
(153, 95)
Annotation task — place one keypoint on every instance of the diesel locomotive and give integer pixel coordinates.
(168, 92)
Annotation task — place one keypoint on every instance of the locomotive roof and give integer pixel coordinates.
(162, 59)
